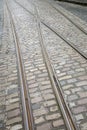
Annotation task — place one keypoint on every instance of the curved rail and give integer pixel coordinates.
(55, 83)
(67, 41)
(58, 34)
(27, 114)
(62, 13)
(70, 124)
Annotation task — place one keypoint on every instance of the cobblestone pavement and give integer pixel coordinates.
(46, 112)
(62, 25)
(10, 103)
(70, 68)
(71, 71)
(78, 10)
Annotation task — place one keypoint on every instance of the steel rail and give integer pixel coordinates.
(27, 114)
(59, 94)
(58, 34)
(67, 41)
(73, 22)
(24, 7)
(55, 83)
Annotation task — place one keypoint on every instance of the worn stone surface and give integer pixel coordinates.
(69, 66)
(57, 123)
(70, 69)
(44, 127)
(10, 100)
(40, 90)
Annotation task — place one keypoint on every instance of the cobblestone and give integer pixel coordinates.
(12, 101)
(79, 117)
(13, 121)
(39, 120)
(40, 112)
(79, 109)
(50, 103)
(47, 91)
(67, 92)
(10, 105)
(58, 123)
(68, 86)
(16, 127)
(82, 101)
(33, 95)
(45, 87)
(61, 26)
(70, 82)
(70, 69)
(48, 96)
(54, 108)
(39, 85)
(84, 126)
(72, 97)
(53, 116)
(82, 94)
(36, 106)
(44, 127)
(72, 104)
(81, 83)
(13, 113)
(35, 85)
(65, 77)
(36, 99)
(13, 95)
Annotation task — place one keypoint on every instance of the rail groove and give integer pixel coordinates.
(55, 83)
(27, 114)
(73, 22)
(58, 34)
(67, 41)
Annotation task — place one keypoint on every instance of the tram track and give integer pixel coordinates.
(59, 95)
(52, 73)
(56, 85)
(66, 112)
(76, 48)
(27, 114)
(62, 13)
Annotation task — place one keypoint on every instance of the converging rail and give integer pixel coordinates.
(28, 116)
(57, 33)
(28, 119)
(56, 85)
